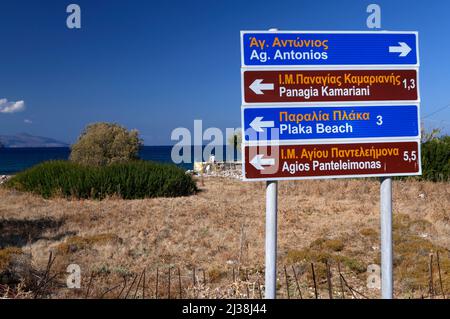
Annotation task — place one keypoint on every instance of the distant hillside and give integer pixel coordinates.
(27, 140)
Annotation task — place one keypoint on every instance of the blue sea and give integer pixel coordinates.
(14, 160)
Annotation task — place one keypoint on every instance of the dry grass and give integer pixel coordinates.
(7, 254)
(223, 227)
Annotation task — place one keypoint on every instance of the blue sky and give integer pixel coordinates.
(158, 65)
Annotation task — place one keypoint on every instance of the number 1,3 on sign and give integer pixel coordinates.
(409, 84)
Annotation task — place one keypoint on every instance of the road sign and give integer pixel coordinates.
(328, 48)
(329, 75)
(299, 123)
(309, 161)
(294, 86)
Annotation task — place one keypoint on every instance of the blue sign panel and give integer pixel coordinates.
(305, 48)
(330, 122)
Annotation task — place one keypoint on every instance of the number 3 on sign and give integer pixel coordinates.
(408, 158)
(379, 120)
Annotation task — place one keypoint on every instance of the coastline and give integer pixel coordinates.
(13, 160)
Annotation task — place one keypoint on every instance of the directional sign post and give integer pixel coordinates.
(302, 86)
(328, 48)
(330, 104)
(293, 123)
(306, 161)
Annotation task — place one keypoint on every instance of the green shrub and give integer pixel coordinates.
(436, 159)
(105, 143)
(131, 180)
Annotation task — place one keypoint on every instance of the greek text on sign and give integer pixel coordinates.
(331, 160)
(295, 86)
(330, 122)
(311, 48)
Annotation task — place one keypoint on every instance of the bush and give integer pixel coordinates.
(105, 143)
(436, 159)
(132, 180)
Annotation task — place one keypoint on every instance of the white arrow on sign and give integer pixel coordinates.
(258, 161)
(257, 86)
(257, 124)
(403, 49)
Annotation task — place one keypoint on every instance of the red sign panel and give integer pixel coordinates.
(295, 86)
(331, 160)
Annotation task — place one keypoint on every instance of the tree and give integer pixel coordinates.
(429, 136)
(105, 143)
(436, 159)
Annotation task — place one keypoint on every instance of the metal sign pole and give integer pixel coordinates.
(271, 235)
(271, 239)
(386, 237)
